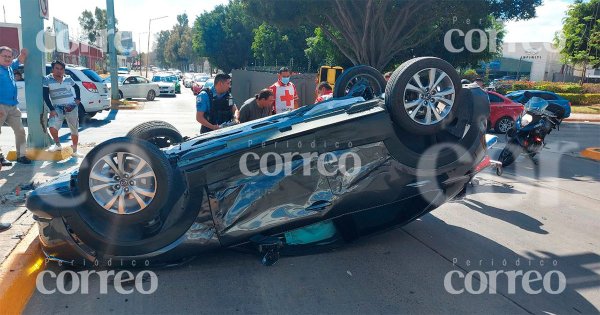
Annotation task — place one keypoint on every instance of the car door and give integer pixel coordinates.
(128, 87)
(142, 87)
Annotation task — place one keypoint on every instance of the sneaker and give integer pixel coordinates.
(55, 147)
(76, 154)
(24, 160)
(5, 162)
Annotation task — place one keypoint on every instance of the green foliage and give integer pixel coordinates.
(322, 52)
(94, 24)
(581, 34)
(380, 32)
(581, 99)
(160, 48)
(470, 75)
(225, 36)
(272, 45)
(504, 87)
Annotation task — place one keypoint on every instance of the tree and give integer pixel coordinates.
(160, 48)
(272, 45)
(581, 35)
(374, 32)
(224, 35)
(321, 51)
(94, 24)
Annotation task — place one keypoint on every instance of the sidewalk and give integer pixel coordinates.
(12, 206)
(584, 117)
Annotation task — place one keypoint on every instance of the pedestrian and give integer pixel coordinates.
(62, 104)
(10, 113)
(212, 104)
(324, 92)
(387, 75)
(18, 76)
(259, 106)
(286, 97)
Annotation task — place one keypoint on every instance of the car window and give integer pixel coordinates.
(131, 80)
(72, 75)
(546, 96)
(141, 80)
(495, 98)
(92, 75)
(156, 79)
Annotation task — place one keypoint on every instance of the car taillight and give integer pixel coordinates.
(90, 87)
(537, 139)
(483, 164)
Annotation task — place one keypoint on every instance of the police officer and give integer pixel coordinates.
(212, 104)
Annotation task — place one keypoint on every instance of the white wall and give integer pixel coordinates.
(545, 58)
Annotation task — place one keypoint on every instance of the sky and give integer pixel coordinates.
(133, 15)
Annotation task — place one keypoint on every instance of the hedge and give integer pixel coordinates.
(582, 99)
(556, 87)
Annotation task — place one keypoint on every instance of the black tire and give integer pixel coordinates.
(504, 124)
(160, 133)
(418, 152)
(398, 94)
(128, 147)
(151, 95)
(352, 79)
(508, 154)
(120, 95)
(81, 115)
(92, 114)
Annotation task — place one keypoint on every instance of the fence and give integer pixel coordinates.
(561, 77)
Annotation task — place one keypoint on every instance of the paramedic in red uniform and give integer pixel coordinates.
(286, 97)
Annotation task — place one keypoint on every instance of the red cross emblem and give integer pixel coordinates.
(287, 98)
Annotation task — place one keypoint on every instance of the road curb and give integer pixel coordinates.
(591, 153)
(582, 120)
(19, 272)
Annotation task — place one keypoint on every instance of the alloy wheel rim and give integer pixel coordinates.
(122, 183)
(360, 78)
(505, 125)
(428, 104)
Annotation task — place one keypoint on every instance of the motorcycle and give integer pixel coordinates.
(531, 128)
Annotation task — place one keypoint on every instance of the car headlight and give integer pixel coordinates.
(526, 120)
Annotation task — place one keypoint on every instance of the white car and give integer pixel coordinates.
(188, 79)
(166, 83)
(135, 87)
(123, 70)
(94, 93)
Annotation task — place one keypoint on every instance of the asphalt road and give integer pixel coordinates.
(532, 215)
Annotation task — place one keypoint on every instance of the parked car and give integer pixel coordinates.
(94, 93)
(135, 87)
(166, 83)
(198, 84)
(123, 70)
(523, 96)
(503, 112)
(356, 164)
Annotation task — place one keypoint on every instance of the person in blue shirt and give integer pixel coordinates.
(9, 112)
(212, 105)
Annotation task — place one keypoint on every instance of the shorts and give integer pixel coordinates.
(72, 118)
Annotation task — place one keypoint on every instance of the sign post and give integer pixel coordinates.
(35, 69)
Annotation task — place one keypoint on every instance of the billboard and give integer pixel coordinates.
(126, 40)
(61, 30)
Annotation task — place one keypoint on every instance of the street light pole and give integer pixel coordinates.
(148, 52)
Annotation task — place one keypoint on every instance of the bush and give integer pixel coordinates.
(582, 99)
(591, 88)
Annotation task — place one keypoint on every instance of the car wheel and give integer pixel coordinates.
(160, 133)
(421, 95)
(360, 80)
(120, 95)
(151, 95)
(126, 181)
(504, 124)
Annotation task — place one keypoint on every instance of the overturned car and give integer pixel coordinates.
(375, 156)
